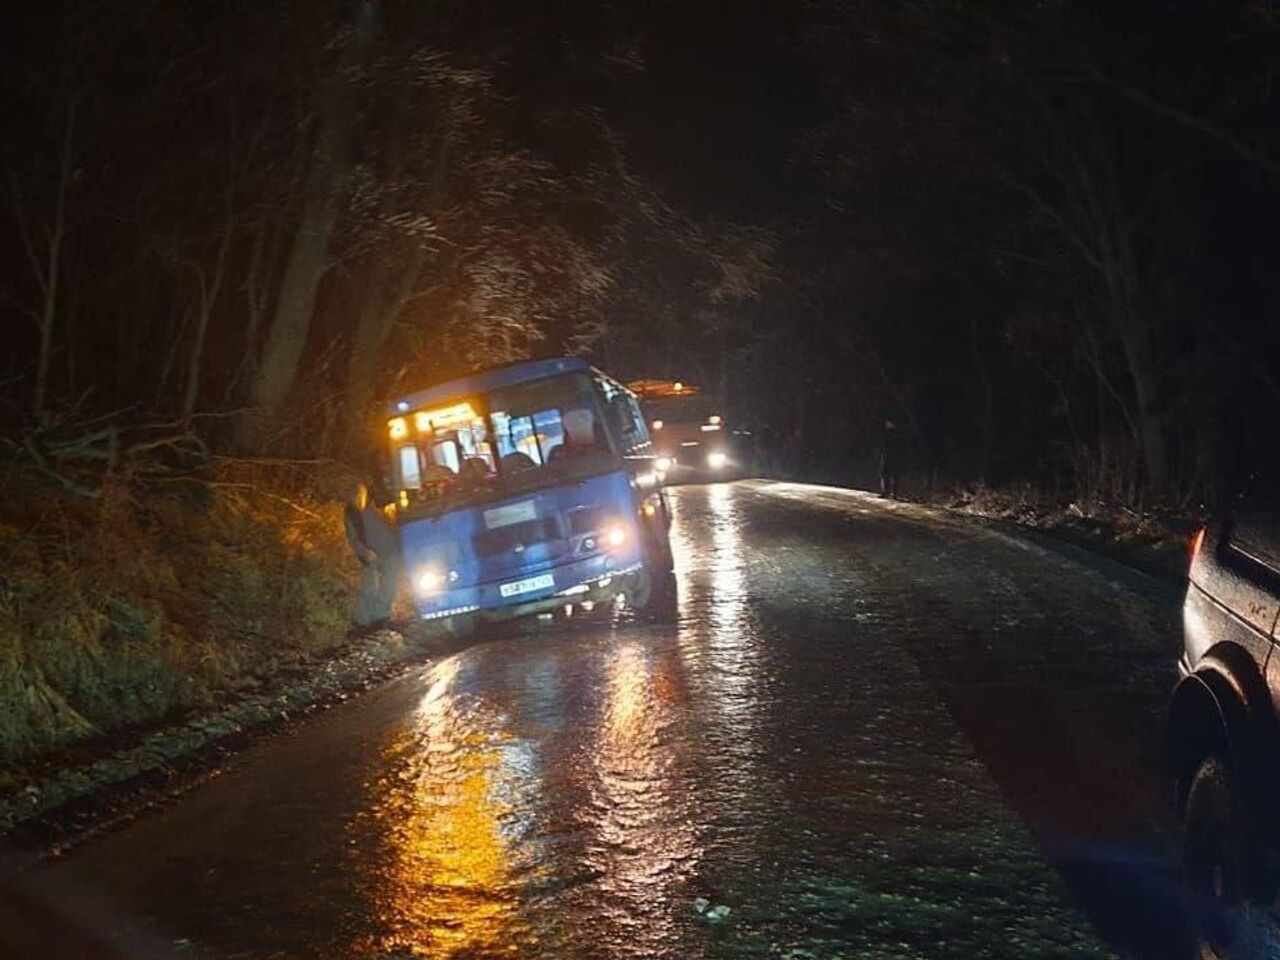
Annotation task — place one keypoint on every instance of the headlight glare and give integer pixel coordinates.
(430, 581)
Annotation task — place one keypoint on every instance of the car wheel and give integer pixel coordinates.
(1213, 858)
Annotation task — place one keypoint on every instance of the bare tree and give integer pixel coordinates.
(322, 194)
(44, 247)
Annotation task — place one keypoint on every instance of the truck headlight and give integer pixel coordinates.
(716, 459)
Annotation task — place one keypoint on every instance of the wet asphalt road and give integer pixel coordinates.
(871, 732)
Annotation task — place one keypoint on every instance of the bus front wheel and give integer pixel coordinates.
(653, 592)
(657, 547)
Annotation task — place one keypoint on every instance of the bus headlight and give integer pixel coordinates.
(716, 459)
(433, 581)
(615, 536)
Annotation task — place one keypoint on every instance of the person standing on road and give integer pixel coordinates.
(790, 465)
(890, 454)
(374, 542)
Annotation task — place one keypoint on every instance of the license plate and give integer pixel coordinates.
(527, 585)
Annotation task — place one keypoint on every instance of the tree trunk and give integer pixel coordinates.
(376, 320)
(394, 280)
(1139, 351)
(50, 275)
(988, 400)
(308, 257)
(209, 290)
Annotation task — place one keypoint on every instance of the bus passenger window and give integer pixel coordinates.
(550, 431)
(410, 469)
(533, 421)
(519, 439)
(445, 454)
(475, 445)
(580, 428)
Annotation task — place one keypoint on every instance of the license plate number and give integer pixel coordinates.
(527, 585)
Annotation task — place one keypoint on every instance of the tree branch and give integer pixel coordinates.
(1192, 122)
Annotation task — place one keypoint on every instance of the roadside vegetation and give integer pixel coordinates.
(157, 597)
(1151, 541)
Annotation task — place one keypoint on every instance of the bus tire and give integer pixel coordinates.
(640, 594)
(657, 552)
(653, 593)
(461, 627)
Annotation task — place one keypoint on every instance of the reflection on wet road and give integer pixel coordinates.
(869, 732)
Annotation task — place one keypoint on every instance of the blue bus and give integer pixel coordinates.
(524, 489)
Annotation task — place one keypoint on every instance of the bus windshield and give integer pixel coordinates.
(511, 440)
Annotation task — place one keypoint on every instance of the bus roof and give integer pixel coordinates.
(483, 381)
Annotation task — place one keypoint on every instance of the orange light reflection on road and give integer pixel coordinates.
(445, 886)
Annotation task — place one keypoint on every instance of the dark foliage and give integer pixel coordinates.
(1038, 235)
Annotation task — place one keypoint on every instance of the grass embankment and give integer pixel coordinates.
(1154, 542)
(150, 603)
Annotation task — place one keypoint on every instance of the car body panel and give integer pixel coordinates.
(1228, 697)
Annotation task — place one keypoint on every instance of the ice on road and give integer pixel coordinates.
(872, 731)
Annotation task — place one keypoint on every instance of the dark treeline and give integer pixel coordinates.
(1040, 237)
(270, 216)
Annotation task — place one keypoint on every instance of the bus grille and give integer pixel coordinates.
(587, 519)
(503, 539)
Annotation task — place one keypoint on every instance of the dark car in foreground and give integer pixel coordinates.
(1222, 748)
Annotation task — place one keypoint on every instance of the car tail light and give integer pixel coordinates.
(1196, 542)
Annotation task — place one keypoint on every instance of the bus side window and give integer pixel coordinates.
(639, 429)
(628, 421)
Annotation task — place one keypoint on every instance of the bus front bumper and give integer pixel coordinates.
(592, 579)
